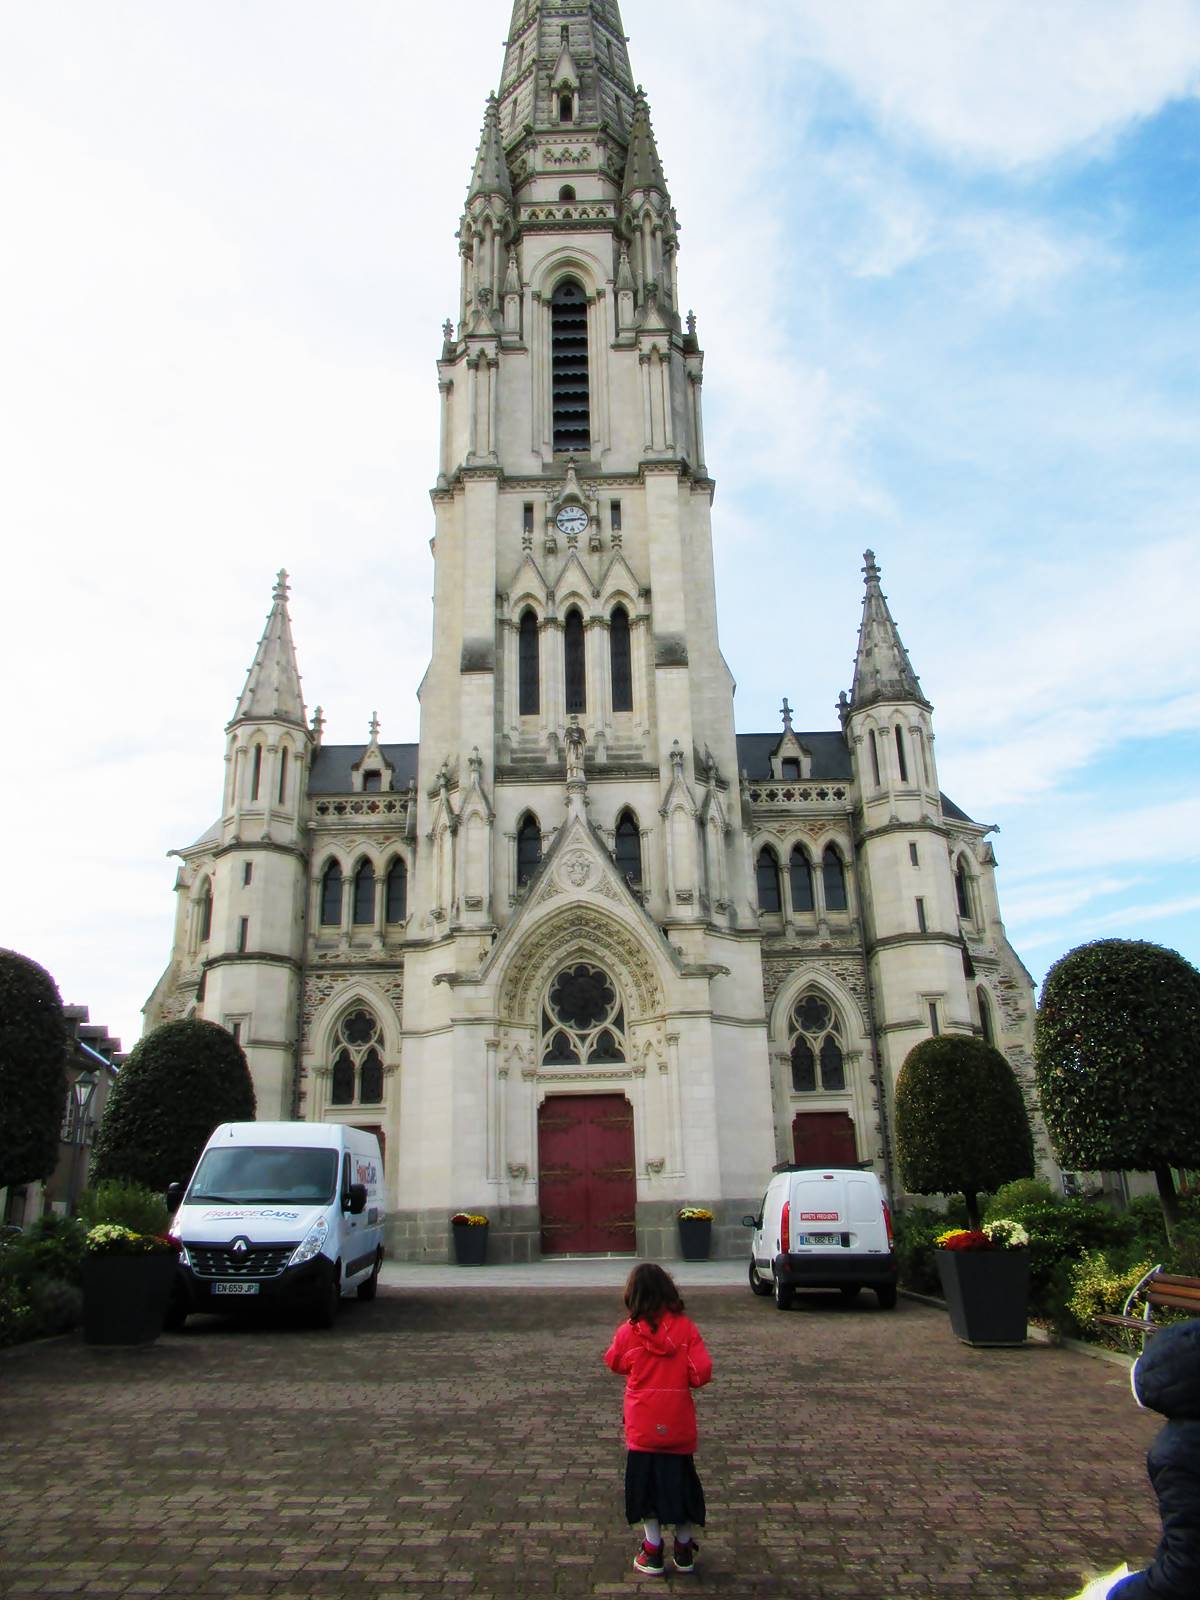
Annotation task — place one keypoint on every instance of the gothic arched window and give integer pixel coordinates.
(900, 759)
(283, 766)
(364, 894)
(833, 878)
(620, 660)
(800, 876)
(576, 679)
(629, 848)
(331, 896)
(962, 890)
(566, 107)
(815, 1036)
(985, 1016)
(256, 772)
(206, 903)
(342, 1091)
(873, 745)
(529, 848)
(357, 1066)
(566, 194)
(397, 891)
(583, 1019)
(528, 667)
(767, 875)
(570, 403)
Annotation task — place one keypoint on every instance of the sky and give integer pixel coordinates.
(943, 258)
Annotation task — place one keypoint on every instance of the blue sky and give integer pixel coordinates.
(943, 258)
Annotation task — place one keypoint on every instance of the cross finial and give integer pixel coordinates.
(787, 716)
(281, 585)
(870, 570)
(374, 727)
(448, 330)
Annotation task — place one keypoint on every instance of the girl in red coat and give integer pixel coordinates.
(662, 1355)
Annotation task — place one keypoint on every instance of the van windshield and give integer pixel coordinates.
(265, 1174)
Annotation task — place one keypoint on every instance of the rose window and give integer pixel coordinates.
(357, 1064)
(583, 1021)
(816, 1046)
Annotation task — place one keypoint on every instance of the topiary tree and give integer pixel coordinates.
(33, 1076)
(961, 1123)
(1118, 1061)
(178, 1084)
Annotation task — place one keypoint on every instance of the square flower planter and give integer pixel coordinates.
(125, 1298)
(987, 1294)
(470, 1244)
(695, 1238)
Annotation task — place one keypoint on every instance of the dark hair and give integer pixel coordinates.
(649, 1291)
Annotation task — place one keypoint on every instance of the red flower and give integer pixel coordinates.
(969, 1239)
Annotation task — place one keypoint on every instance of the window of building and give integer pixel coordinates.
(912, 854)
(364, 894)
(816, 1041)
(628, 852)
(331, 896)
(235, 1028)
(614, 515)
(985, 1015)
(566, 107)
(935, 1026)
(873, 745)
(800, 876)
(529, 849)
(206, 903)
(283, 775)
(357, 1065)
(397, 891)
(576, 677)
(921, 915)
(528, 692)
(566, 194)
(583, 1020)
(620, 660)
(256, 772)
(962, 891)
(833, 877)
(767, 875)
(527, 518)
(372, 781)
(901, 763)
(569, 368)
(789, 767)
(243, 941)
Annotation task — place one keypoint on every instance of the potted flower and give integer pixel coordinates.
(985, 1278)
(470, 1230)
(127, 1283)
(962, 1128)
(695, 1232)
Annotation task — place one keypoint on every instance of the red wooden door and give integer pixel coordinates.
(823, 1139)
(586, 1188)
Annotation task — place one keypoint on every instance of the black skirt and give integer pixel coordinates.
(663, 1486)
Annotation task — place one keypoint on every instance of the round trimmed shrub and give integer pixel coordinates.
(33, 1078)
(961, 1123)
(178, 1084)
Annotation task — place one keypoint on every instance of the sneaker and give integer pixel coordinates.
(684, 1556)
(649, 1559)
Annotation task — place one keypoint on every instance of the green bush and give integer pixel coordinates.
(33, 1078)
(178, 1084)
(915, 1231)
(16, 1317)
(1098, 1289)
(1184, 1255)
(1061, 1233)
(1010, 1197)
(131, 1205)
(56, 1306)
(51, 1247)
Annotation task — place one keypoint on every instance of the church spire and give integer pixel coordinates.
(272, 692)
(565, 65)
(490, 176)
(643, 169)
(882, 670)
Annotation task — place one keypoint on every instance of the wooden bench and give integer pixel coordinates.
(1157, 1291)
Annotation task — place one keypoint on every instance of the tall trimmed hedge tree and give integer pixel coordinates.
(33, 1075)
(178, 1084)
(961, 1123)
(1118, 1061)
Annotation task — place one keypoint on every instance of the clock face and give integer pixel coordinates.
(572, 519)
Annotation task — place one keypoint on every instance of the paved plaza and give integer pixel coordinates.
(460, 1437)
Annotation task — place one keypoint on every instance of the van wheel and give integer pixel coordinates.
(368, 1290)
(848, 1292)
(328, 1304)
(758, 1284)
(886, 1297)
(784, 1295)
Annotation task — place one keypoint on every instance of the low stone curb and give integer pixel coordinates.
(1036, 1335)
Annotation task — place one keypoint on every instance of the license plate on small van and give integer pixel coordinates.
(235, 1288)
(820, 1238)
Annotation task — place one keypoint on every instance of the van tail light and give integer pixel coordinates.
(785, 1227)
(887, 1222)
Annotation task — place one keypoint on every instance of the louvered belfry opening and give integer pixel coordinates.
(569, 368)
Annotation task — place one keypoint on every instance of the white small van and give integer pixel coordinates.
(823, 1228)
(279, 1213)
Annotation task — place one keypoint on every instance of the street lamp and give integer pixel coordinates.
(84, 1088)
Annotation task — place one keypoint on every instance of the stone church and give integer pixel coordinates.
(585, 953)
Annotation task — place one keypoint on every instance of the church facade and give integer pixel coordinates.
(585, 954)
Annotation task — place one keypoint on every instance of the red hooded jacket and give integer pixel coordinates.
(662, 1366)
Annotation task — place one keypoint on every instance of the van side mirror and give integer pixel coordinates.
(356, 1199)
(751, 1222)
(174, 1196)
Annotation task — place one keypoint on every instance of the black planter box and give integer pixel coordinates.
(695, 1237)
(470, 1244)
(125, 1298)
(987, 1294)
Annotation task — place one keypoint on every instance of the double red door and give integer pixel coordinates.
(586, 1188)
(823, 1139)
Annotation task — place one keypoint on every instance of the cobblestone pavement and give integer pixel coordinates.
(466, 1442)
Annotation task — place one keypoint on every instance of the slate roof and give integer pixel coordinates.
(830, 754)
(330, 773)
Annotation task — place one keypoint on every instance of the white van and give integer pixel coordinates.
(279, 1213)
(823, 1228)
